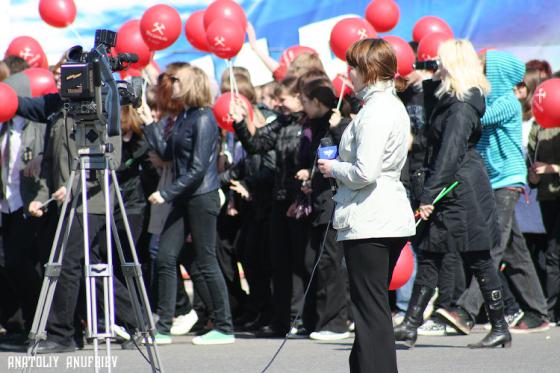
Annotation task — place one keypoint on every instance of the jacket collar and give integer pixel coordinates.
(382, 86)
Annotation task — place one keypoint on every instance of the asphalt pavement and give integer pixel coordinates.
(532, 353)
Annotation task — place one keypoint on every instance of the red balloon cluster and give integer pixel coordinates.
(383, 15)
(57, 13)
(41, 81)
(403, 269)
(219, 29)
(160, 26)
(430, 24)
(405, 54)
(348, 31)
(546, 103)
(221, 110)
(29, 49)
(8, 98)
(429, 45)
(130, 40)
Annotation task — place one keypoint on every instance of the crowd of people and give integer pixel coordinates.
(248, 213)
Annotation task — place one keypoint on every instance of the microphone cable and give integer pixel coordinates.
(300, 311)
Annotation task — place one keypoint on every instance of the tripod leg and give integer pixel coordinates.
(52, 270)
(135, 285)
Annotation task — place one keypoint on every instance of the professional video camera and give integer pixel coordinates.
(89, 89)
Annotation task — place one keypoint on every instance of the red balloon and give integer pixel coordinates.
(225, 38)
(405, 54)
(29, 49)
(383, 15)
(290, 54)
(403, 269)
(339, 82)
(129, 40)
(160, 26)
(428, 24)
(221, 110)
(8, 98)
(195, 31)
(57, 13)
(429, 45)
(546, 103)
(225, 9)
(348, 31)
(41, 81)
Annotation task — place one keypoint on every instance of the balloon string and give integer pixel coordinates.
(341, 96)
(76, 34)
(232, 81)
(538, 142)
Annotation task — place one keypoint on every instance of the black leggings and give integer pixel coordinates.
(479, 262)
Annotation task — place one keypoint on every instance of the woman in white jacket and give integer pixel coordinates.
(373, 216)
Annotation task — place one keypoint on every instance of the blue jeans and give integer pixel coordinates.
(405, 291)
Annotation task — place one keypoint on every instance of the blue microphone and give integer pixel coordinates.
(328, 150)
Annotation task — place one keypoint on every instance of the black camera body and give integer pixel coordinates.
(88, 87)
(431, 65)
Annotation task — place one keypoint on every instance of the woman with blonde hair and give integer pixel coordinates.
(192, 148)
(465, 220)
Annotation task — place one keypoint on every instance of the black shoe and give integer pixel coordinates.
(17, 343)
(270, 332)
(457, 318)
(52, 347)
(499, 335)
(407, 331)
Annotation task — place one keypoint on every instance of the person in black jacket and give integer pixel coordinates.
(464, 221)
(192, 147)
(329, 291)
(287, 235)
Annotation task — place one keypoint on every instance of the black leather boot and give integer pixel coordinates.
(499, 335)
(407, 330)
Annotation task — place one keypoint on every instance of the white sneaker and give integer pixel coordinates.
(325, 335)
(184, 323)
(121, 332)
(432, 328)
(430, 307)
(398, 318)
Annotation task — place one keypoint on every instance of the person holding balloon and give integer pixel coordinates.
(193, 149)
(373, 216)
(544, 173)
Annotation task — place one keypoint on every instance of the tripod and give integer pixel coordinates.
(95, 160)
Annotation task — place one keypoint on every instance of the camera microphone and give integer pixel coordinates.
(328, 150)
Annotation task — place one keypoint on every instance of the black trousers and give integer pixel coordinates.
(550, 211)
(370, 268)
(289, 275)
(60, 326)
(197, 215)
(479, 262)
(328, 292)
(21, 254)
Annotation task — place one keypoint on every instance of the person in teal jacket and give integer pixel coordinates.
(501, 149)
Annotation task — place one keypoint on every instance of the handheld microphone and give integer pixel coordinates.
(328, 150)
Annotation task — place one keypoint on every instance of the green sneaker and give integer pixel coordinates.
(214, 337)
(161, 339)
